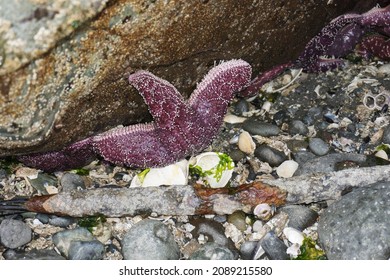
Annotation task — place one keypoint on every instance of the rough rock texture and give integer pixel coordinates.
(79, 87)
(357, 225)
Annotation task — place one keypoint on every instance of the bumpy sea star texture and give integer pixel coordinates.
(180, 128)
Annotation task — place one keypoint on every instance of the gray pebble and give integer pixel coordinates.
(274, 248)
(247, 248)
(43, 218)
(297, 145)
(212, 251)
(214, 231)
(3, 174)
(86, 250)
(386, 135)
(299, 216)
(255, 127)
(298, 127)
(270, 155)
(149, 240)
(241, 106)
(237, 155)
(318, 146)
(312, 115)
(357, 225)
(33, 254)
(327, 163)
(302, 157)
(63, 239)
(14, 233)
(71, 181)
(238, 218)
(60, 221)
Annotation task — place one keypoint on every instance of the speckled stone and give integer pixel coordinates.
(149, 240)
(357, 225)
(14, 233)
(71, 181)
(86, 250)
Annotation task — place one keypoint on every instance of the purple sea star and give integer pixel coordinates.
(180, 128)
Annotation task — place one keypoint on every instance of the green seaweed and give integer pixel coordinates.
(81, 171)
(225, 163)
(309, 251)
(91, 222)
(142, 174)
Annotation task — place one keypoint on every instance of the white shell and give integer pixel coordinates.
(294, 250)
(208, 161)
(287, 169)
(293, 235)
(263, 211)
(246, 143)
(382, 154)
(174, 174)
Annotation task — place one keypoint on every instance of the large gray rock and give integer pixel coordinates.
(55, 90)
(357, 226)
(150, 240)
(14, 233)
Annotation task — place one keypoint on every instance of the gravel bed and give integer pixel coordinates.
(318, 123)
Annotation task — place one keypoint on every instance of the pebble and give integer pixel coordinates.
(61, 221)
(149, 240)
(328, 163)
(86, 250)
(312, 115)
(299, 216)
(247, 248)
(270, 155)
(287, 169)
(33, 254)
(14, 233)
(298, 127)
(246, 143)
(213, 230)
(63, 240)
(3, 174)
(237, 155)
(213, 251)
(274, 247)
(256, 127)
(386, 135)
(357, 225)
(43, 218)
(302, 157)
(71, 181)
(241, 107)
(296, 146)
(318, 146)
(238, 218)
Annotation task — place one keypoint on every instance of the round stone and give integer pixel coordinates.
(287, 169)
(149, 240)
(241, 107)
(357, 225)
(71, 181)
(270, 155)
(14, 233)
(318, 146)
(298, 127)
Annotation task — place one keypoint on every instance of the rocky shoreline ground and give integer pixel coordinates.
(321, 122)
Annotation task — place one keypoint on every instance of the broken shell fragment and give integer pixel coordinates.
(287, 169)
(216, 169)
(263, 211)
(174, 174)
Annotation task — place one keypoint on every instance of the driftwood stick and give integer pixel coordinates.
(324, 186)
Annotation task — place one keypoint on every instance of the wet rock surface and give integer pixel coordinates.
(356, 226)
(55, 89)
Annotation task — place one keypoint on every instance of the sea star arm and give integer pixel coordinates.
(73, 156)
(137, 146)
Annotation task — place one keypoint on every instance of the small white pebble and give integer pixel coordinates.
(246, 143)
(229, 118)
(266, 106)
(257, 226)
(294, 250)
(287, 169)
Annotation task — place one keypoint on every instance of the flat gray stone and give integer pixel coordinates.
(357, 225)
(64, 239)
(299, 216)
(14, 233)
